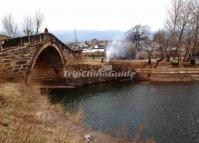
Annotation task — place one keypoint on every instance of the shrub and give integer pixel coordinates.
(192, 61)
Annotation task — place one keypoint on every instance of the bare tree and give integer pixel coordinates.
(9, 25)
(184, 18)
(173, 20)
(162, 44)
(27, 26)
(149, 46)
(137, 33)
(195, 14)
(160, 37)
(183, 28)
(179, 26)
(32, 25)
(38, 20)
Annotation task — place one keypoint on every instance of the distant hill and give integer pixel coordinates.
(83, 35)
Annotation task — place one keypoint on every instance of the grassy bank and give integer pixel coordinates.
(28, 117)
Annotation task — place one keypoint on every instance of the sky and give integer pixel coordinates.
(89, 14)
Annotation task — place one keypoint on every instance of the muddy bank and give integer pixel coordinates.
(165, 72)
(168, 75)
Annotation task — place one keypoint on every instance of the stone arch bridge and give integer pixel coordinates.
(34, 58)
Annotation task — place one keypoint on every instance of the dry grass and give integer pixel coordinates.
(138, 64)
(27, 117)
(76, 117)
(125, 65)
(138, 138)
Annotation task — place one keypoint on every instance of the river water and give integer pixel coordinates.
(168, 112)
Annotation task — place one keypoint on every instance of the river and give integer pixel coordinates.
(168, 112)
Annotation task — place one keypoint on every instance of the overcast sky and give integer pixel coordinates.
(90, 14)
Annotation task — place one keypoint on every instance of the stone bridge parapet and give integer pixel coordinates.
(18, 56)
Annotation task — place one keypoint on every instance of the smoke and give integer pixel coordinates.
(120, 48)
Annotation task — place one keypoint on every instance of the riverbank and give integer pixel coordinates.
(164, 72)
(168, 75)
(28, 116)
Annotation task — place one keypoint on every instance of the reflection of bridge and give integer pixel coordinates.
(34, 58)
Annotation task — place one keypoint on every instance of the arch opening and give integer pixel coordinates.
(48, 67)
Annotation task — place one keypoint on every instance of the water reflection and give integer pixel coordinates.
(169, 113)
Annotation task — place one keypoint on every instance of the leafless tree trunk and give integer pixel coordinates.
(149, 47)
(195, 14)
(188, 42)
(162, 42)
(9, 25)
(28, 26)
(173, 17)
(182, 25)
(38, 20)
(173, 20)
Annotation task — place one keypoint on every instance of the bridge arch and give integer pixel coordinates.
(48, 63)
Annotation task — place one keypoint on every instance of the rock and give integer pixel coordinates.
(87, 137)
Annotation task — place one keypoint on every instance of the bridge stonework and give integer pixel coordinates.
(43, 56)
